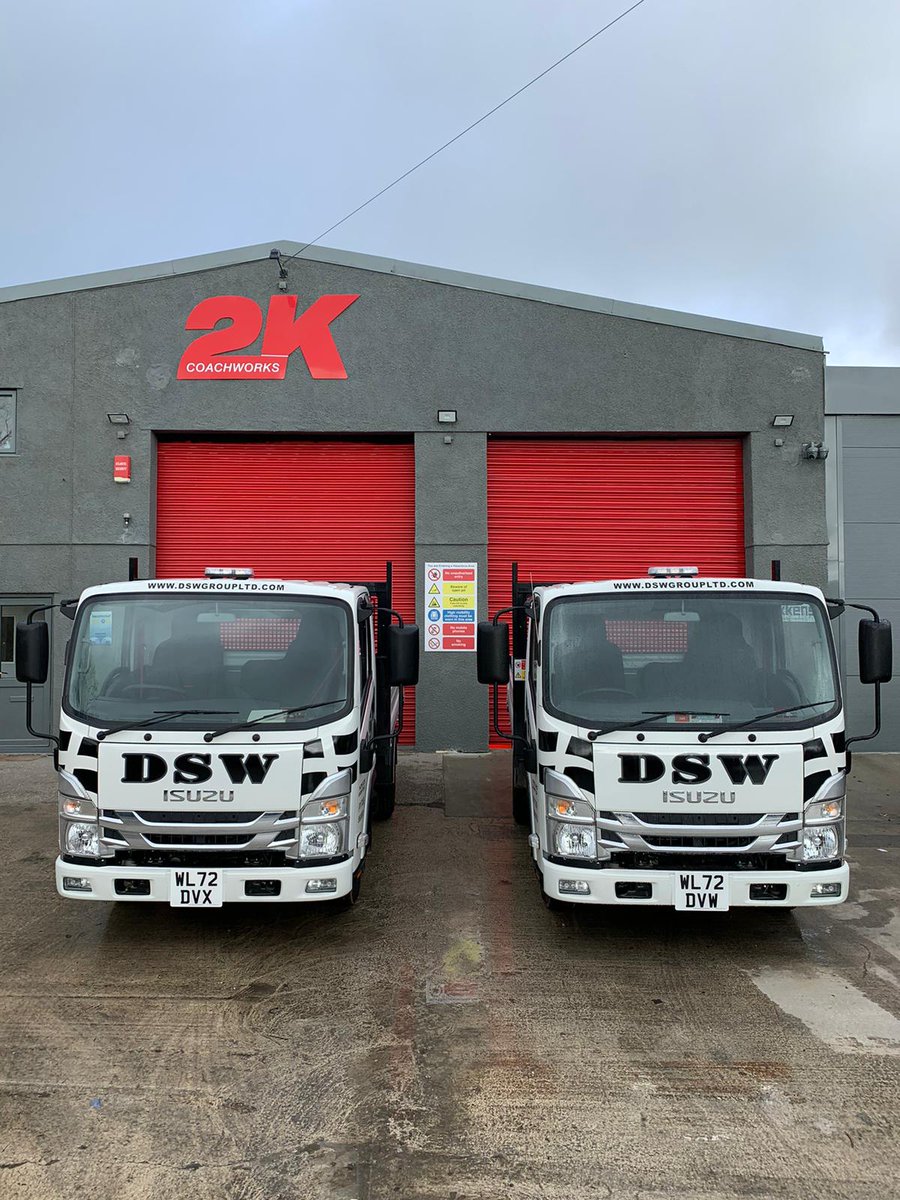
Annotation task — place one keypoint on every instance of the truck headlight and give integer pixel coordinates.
(821, 842)
(562, 808)
(331, 808)
(76, 806)
(324, 840)
(73, 798)
(82, 838)
(824, 810)
(574, 841)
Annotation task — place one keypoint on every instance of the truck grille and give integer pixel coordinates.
(196, 839)
(722, 833)
(199, 831)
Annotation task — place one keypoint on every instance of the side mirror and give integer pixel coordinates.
(403, 655)
(32, 651)
(492, 652)
(876, 653)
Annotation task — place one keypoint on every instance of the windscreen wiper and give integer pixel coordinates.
(165, 714)
(651, 716)
(282, 712)
(776, 712)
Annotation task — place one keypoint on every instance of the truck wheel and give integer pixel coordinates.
(383, 800)
(521, 805)
(550, 902)
(343, 903)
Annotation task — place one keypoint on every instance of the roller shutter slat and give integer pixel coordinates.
(291, 510)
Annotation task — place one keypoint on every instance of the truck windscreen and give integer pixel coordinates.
(134, 656)
(725, 658)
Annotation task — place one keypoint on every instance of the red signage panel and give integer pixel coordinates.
(211, 355)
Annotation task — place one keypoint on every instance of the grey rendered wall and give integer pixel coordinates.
(509, 365)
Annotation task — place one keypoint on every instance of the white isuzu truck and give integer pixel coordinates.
(225, 738)
(680, 741)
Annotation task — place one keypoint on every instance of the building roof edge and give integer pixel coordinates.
(427, 274)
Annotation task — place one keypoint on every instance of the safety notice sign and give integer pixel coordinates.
(450, 605)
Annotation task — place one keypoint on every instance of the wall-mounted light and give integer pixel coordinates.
(814, 450)
(780, 422)
(447, 416)
(118, 418)
(275, 255)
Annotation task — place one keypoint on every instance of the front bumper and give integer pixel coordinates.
(293, 882)
(603, 886)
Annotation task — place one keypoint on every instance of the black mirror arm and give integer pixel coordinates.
(386, 737)
(506, 737)
(842, 604)
(503, 611)
(867, 737)
(863, 737)
(37, 733)
(29, 695)
(392, 612)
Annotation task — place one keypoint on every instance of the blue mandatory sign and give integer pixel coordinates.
(434, 614)
(456, 615)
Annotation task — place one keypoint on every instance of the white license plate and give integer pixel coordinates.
(701, 891)
(195, 889)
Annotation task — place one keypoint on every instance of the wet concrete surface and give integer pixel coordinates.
(449, 1038)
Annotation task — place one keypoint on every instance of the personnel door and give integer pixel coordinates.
(14, 737)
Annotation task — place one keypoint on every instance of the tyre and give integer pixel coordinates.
(343, 903)
(383, 800)
(551, 902)
(384, 789)
(521, 797)
(521, 806)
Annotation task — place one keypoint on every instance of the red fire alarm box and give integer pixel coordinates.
(122, 468)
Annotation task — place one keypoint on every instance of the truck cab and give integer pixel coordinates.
(226, 738)
(680, 740)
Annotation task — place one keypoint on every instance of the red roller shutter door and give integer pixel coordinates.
(570, 509)
(292, 510)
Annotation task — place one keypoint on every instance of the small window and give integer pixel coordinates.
(10, 614)
(7, 422)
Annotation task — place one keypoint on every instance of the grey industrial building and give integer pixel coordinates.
(417, 415)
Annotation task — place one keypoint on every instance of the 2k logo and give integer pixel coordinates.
(210, 357)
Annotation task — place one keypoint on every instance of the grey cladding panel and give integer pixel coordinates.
(872, 566)
(872, 485)
(875, 432)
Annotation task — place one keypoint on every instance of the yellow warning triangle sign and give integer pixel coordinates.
(434, 590)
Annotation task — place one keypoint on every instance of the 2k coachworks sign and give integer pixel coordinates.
(212, 356)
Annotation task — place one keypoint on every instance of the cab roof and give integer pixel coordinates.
(678, 584)
(229, 587)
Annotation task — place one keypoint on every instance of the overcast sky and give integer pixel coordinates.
(731, 157)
